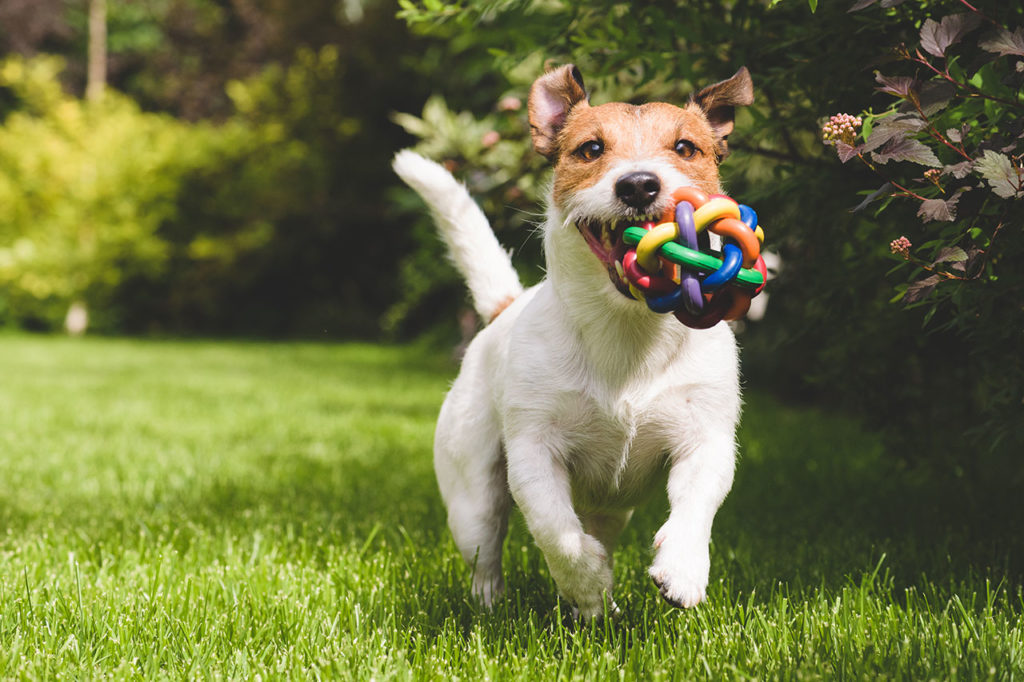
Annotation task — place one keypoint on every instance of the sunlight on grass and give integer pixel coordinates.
(208, 509)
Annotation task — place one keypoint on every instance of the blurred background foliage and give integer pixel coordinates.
(235, 178)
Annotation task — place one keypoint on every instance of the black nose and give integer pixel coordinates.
(637, 189)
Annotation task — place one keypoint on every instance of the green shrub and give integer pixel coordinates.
(85, 188)
(943, 375)
(161, 225)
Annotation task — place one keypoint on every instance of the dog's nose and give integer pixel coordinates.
(637, 190)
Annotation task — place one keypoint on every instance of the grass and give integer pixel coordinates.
(233, 510)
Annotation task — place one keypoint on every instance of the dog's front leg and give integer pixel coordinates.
(540, 485)
(698, 482)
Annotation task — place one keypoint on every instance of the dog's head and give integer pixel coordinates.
(617, 164)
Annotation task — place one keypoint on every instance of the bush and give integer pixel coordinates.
(927, 372)
(273, 222)
(85, 189)
(948, 145)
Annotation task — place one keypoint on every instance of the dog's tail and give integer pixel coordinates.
(472, 246)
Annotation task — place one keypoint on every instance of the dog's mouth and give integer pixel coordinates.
(605, 240)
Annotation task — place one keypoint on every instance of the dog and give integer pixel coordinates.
(575, 400)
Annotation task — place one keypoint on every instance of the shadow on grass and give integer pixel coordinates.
(816, 498)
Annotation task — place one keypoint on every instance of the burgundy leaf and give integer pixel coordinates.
(1005, 43)
(955, 199)
(920, 289)
(847, 152)
(861, 4)
(906, 149)
(890, 127)
(937, 36)
(934, 96)
(934, 209)
(896, 85)
(959, 170)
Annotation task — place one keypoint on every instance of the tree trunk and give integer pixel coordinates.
(97, 77)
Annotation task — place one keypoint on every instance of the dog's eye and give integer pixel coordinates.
(686, 149)
(590, 150)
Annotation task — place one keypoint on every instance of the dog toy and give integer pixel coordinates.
(671, 267)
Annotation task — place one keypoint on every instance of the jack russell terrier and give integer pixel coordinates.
(575, 399)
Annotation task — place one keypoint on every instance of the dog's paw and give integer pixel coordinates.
(608, 608)
(488, 589)
(680, 592)
(681, 574)
(582, 573)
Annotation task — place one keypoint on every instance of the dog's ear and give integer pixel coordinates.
(719, 102)
(551, 97)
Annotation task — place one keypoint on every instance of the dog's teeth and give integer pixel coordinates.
(620, 272)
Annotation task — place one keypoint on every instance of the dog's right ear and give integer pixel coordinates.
(719, 102)
(551, 97)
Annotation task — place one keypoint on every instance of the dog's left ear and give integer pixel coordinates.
(551, 97)
(719, 102)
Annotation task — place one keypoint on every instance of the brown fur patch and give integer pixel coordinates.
(627, 131)
(501, 308)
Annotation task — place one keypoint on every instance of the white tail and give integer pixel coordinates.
(472, 246)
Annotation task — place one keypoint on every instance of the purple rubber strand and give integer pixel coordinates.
(692, 299)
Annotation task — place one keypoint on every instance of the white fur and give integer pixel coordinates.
(471, 244)
(573, 403)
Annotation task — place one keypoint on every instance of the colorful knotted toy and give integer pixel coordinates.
(671, 267)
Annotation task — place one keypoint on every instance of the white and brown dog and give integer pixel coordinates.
(576, 399)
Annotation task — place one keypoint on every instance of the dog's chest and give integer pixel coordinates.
(615, 448)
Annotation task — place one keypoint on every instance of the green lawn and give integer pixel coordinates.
(228, 510)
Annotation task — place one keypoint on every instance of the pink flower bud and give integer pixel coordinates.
(901, 246)
(490, 138)
(841, 128)
(510, 103)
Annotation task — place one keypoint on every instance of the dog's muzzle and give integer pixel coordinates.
(605, 241)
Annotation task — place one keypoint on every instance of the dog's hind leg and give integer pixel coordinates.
(471, 474)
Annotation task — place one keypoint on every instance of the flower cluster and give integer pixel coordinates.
(841, 128)
(901, 246)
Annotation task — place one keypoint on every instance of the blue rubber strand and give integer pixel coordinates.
(732, 261)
